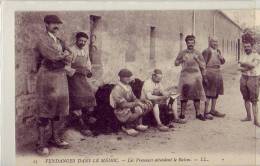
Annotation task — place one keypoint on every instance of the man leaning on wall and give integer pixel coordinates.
(52, 85)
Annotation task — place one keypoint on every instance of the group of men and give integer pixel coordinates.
(64, 90)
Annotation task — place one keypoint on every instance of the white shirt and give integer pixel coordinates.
(53, 36)
(253, 59)
(151, 88)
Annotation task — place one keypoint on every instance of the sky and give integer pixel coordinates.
(245, 18)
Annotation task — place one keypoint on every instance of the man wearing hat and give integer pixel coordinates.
(190, 82)
(153, 90)
(213, 83)
(249, 81)
(82, 98)
(52, 85)
(127, 108)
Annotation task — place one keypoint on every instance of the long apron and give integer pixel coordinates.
(53, 95)
(80, 91)
(214, 86)
(190, 82)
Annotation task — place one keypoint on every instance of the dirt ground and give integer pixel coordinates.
(223, 141)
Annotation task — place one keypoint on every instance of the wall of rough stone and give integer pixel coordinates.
(123, 41)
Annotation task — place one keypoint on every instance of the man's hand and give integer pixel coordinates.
(196, 58)
(68, 58)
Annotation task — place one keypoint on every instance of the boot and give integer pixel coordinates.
(55, 139)
(42, 149)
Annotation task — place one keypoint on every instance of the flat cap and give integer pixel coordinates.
(81, 34)
(125, 73)
(52, 19)
(157, 71)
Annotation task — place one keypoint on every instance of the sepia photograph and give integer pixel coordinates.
(137, 87)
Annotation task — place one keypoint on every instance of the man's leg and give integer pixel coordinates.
(244, 89)
(42, 148)
(183, 108)
(132, 121)
(255, 112)
(197, 109)
(156, 113)
(213, 111)
(59, 122)
(248, 111)
(175, 115)
(58, 127)
(207, 111)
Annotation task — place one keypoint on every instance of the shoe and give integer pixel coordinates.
(182, 116)
(200, 117)
(208, 116)
(245, 119)
(217, 114)
(257, 124)
(43, 151)
(180, 121)
(59, 143)
(141, 127)
(163, 128)
(131, 132)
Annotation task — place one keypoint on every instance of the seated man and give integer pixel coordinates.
(127, 108)
(152, 90)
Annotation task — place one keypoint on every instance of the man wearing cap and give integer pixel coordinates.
(127, 108)
(52, 85)
(190, 82)
(249, 81)
(153, 90)
(82, 98)
(213, 83)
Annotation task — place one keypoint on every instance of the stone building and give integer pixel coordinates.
(138, 40)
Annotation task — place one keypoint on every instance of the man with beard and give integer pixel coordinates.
(82, 98)
(213, 85)
(52, 85)
(249, 81)
(190, 82)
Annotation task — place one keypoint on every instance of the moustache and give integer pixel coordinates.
(55, 28)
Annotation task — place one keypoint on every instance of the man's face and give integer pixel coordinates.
(214, 44)
(81, 42)
(248, 48)
(53, 28)
(190, 44)
(125, 80)
(157, 78)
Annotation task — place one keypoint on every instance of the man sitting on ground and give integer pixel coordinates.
(127, 108)
(153, 90)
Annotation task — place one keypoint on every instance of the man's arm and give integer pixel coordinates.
(221, 58)
(49, 52)
(179, 60)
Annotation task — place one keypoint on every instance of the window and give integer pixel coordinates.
(152, 43)
(94, 39)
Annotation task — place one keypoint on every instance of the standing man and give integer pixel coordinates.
(52, 85)
(249, 82)
(127, 108)
(153, 90)
(82, 98)
(190, 83)
(213, 83)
